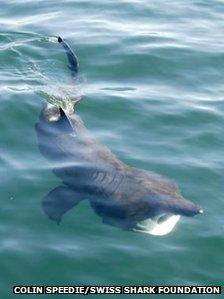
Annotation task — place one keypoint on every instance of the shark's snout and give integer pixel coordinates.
(181, 206)
(167, 212)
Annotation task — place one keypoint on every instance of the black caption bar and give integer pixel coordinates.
(91, 290)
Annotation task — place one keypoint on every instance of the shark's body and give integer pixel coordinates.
(124, 196)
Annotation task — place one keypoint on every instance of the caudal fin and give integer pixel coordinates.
(72, 58)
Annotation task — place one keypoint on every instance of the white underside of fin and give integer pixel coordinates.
(151, 226)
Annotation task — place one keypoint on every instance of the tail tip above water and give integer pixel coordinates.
(60, 40)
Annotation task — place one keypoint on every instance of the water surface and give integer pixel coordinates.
(152, 77)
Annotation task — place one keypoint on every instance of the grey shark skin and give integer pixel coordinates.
(123, 196)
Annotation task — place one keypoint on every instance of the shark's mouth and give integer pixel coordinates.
(159, 225)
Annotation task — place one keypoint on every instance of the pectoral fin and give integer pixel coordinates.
(59, 201)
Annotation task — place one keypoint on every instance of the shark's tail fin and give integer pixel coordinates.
(73, 66)
(72, 58)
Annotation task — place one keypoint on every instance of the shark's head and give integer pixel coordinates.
(158, 225)
(165, 212)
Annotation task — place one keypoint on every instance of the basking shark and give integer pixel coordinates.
(126, 197)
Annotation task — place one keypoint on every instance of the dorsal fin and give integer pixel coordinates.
(64, 124)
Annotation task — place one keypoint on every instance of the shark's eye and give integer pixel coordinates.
(163, 218)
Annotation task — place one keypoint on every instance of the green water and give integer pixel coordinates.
(152, 76)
